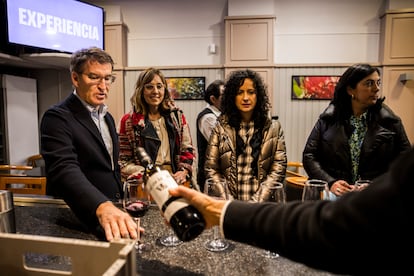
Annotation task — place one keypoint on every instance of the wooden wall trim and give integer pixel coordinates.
(275, 65)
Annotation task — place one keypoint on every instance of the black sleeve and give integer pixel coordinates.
(365, 232)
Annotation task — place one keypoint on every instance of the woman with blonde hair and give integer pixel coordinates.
(158, 126)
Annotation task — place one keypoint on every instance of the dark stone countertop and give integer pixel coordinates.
(189, 258)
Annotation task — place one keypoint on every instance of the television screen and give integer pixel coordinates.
(63, 25)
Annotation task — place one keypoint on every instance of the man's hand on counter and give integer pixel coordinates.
(115, 222)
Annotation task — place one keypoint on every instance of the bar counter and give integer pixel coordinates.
(51, 217)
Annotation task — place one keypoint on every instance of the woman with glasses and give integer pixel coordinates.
(158, 126)
(246, 146)
(357, 136)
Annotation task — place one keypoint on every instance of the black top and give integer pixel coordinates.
(202, 143)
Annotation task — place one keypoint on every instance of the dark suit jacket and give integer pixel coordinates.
(78, 166)
(367, 232)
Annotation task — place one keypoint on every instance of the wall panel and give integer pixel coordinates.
(297, 116)
(399, 95)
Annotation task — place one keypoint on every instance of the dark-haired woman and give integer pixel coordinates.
(246, 147)
(357, 136)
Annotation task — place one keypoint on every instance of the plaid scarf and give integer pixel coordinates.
(247, 183)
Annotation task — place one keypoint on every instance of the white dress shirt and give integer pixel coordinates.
(208, 121)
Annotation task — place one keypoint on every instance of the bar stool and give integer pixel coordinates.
(294, 187)
(30, 184)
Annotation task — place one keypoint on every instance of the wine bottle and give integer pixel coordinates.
(186, 221)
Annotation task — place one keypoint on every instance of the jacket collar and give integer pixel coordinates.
(383, 113)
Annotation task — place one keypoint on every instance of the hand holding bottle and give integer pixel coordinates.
(210, 208)
(186, 221)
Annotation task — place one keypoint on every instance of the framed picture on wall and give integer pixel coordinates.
(313, 87)
(186, 88)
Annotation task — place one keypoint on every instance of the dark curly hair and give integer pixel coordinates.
(228, 103)
(350, 78)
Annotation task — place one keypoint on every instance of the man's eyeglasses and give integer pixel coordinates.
(151, 87)
(371, 83)
(98, 79)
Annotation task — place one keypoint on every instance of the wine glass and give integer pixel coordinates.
(216, 188)
(315, 189)
(361, 184)
(136, 203)
(271, 191)
(170, 239)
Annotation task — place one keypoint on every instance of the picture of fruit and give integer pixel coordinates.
(314, 87)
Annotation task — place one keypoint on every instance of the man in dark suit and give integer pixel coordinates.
(362, 233)
(80, 147)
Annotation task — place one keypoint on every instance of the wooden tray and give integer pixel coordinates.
(22, 254)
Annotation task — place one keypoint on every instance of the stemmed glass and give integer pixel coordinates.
(216, 188)
(315, 189)
(361, 184)
(271, 191)
(136, 203)
(170, 239)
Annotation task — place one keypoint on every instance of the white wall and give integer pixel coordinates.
(176, 33)
(321, 31)
(165, 32)
(22, 133)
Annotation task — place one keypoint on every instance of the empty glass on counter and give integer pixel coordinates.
(271, 191)
(170, 239)
(361, 184)
(316, 189)
(216, 188)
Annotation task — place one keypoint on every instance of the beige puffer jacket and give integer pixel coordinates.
(221, 159)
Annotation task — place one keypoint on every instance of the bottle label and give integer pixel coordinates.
(158, 185)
